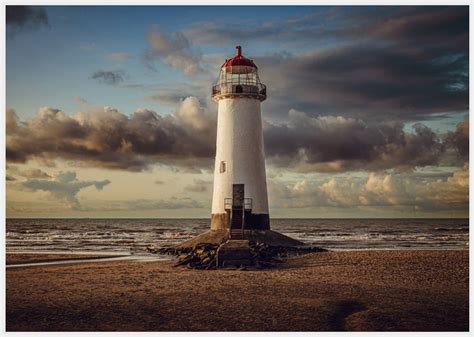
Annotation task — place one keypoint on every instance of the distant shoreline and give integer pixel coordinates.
(209, 218)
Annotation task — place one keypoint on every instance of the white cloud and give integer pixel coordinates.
(376, 189)
(452, 191)
(172, 49)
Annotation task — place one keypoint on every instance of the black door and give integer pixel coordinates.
(237, 206)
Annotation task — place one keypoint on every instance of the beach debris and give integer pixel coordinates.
(258, 255)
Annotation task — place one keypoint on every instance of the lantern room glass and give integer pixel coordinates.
(239, 75)
(241, 80)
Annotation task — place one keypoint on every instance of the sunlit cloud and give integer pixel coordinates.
(377, 189)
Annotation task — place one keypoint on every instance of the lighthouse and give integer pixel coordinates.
(239, 200)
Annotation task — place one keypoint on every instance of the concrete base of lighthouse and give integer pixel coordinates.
(251, 221)
(220, 236)
(256, 228)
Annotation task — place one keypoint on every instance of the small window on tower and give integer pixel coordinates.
(222, 167)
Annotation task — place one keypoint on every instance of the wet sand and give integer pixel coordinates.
(333, 291)
(37, 258)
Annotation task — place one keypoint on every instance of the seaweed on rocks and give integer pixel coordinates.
(203, 255)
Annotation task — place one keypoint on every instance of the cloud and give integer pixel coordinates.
(445, 193)
(172, 49)
(369, 81)
(30, 173)
(111, 77)
(198, 186)
(459, 139)
(22, 18)
(119, 56)
(64, 187)
(382, 63)
(11, 119)
(185, 139)
(104, 137)
(437, 25)
(336, 144)
(377, 189)
(35, 173)
(172, 203)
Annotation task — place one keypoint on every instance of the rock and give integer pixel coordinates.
(258, 254)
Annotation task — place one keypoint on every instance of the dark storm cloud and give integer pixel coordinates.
(366, 81)
(430, 24)
(111, 77)
(110, 139)
(332, 144)
(459, 139)
(20, 18)
(185, 140)
(398, 63)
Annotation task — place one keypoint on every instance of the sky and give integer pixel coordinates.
(109, 111)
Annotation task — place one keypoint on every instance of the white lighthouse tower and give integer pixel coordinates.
(239, 201)
(240, 189)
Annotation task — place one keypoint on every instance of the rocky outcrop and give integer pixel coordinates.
(262, 255)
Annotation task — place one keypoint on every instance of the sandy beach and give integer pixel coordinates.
(331, 291)
(38, 258)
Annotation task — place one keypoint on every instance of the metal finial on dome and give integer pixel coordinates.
(239, 50)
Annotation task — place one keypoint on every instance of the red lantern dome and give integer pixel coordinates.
(238, 77)
(239, 60)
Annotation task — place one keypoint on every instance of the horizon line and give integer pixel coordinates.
(289, 218)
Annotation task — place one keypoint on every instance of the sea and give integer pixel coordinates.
(133, 236)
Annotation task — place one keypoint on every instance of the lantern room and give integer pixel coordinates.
(239, 78)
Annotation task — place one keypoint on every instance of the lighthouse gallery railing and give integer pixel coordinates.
(231, 88)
